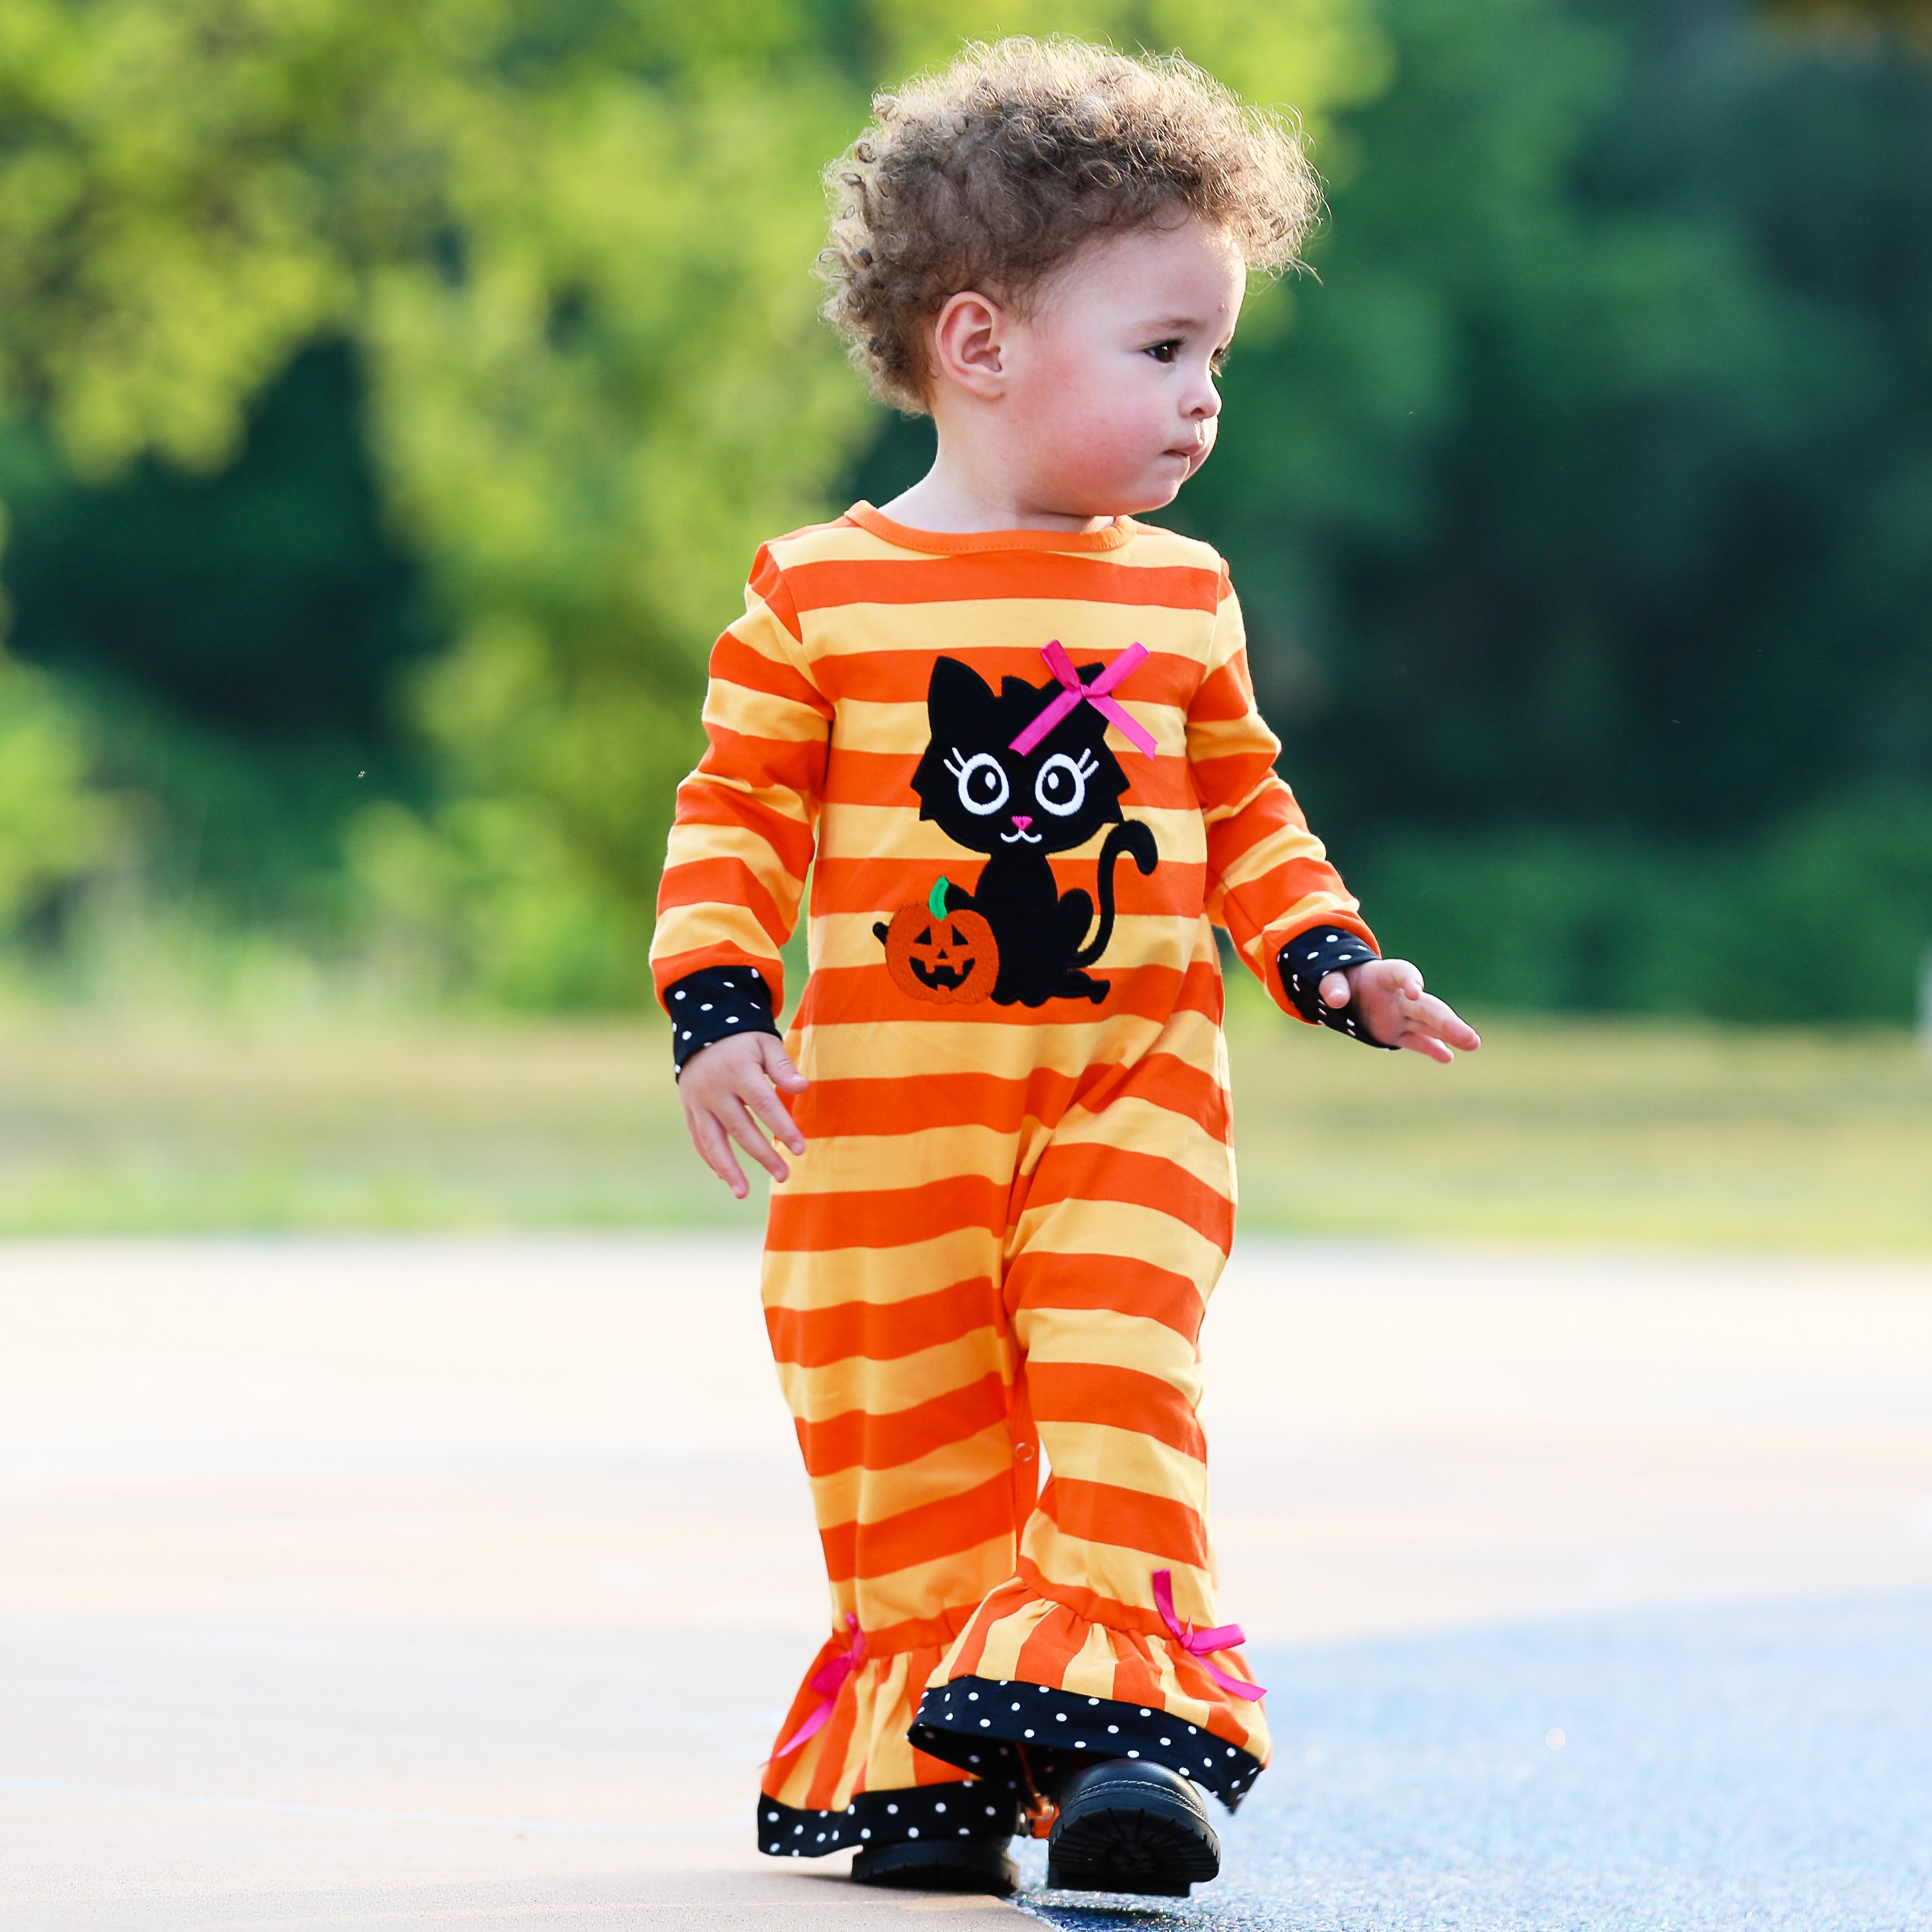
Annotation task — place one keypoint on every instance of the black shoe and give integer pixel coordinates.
(1128, 1826)
(964, 1864)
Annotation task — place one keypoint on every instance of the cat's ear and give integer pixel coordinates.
(955, 690)
(959, 712)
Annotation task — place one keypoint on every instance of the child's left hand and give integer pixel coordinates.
(1387, 997)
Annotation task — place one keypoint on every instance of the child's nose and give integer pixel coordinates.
(1022, 819)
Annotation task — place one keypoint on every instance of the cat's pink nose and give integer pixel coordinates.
(1021, 819)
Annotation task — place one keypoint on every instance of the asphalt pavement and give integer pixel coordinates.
(452, 1583)
(1766, 1766)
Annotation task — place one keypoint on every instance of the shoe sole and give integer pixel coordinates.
(1146, 1843)
(999, 1877)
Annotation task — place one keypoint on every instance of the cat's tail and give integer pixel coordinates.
(1132, 836)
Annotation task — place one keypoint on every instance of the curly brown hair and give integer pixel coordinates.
(994, 173)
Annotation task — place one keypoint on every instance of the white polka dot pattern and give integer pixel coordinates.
(1306, 960)
(1066, 1732)
(990, 1809)
(707, 1006)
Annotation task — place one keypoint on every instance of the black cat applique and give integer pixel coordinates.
(1017, 806)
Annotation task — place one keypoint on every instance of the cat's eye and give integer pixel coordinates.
(1061, 786)
(982, 782)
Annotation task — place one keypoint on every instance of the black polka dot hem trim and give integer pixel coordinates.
(712, 1004)
(979, 1725)
(1306, 960)
(926, 1812)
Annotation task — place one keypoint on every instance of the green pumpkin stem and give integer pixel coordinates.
(935, 900)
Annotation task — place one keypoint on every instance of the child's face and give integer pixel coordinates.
(1111, 401)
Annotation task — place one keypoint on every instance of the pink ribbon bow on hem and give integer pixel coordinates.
(1199, 1643)
(826, 1680)
(1076, 694)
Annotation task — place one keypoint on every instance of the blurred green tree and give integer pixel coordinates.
(1585, 513)
(1915, 15)
(569, 242)
(1582, 506)
(566, 241)
(55, 824)
(1602, 446)
(234, 640)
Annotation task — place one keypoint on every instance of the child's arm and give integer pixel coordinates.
(740, 847)
(1291, 917)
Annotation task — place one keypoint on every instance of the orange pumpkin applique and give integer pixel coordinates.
(950, 958)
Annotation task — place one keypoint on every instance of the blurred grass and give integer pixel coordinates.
(113, 1124)
(1615, 1131)
(1623, 1131)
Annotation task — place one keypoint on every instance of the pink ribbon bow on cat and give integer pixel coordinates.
(1075, 694)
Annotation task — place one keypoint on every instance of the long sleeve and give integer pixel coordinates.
(741, 843)
(1269, 878)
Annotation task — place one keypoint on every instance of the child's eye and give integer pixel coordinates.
(1164, 352)
(1217, 363)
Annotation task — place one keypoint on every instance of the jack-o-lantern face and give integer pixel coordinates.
(951, 958)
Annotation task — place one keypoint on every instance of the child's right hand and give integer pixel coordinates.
(728, 1088)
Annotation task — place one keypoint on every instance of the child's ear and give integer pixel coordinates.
(969, 344)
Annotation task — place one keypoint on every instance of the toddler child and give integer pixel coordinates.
(962, 713)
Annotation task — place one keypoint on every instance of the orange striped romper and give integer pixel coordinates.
(1026, 776)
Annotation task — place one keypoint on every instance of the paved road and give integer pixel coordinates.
(461, 1583)
(1766, 1766)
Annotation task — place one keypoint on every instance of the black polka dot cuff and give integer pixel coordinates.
(980, 1808)
(1307, 959)
(713, 1004)
(982, 1726)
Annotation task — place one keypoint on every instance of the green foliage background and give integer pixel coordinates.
(393, 396)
